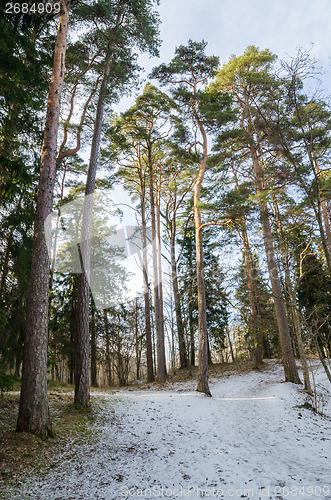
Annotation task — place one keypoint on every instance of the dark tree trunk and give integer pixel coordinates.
(82, 375)
(33, 413)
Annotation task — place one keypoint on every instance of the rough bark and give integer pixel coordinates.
(82, 375)
(290, 369)
(33, 413)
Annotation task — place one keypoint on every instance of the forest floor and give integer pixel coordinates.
(255, 438)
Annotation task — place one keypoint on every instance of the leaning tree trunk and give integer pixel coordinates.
(202, 319)
(290, 369)
(179, 320)
(33, 415)
(82, 372)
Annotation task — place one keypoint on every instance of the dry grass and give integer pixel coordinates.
(22, 453)
(215, 370)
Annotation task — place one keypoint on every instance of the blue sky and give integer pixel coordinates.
(229, 26)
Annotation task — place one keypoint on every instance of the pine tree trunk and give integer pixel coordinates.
(149, 347)
(160, 347)
(33, 415)
(202, 320)
(179, 320)
(82, 372)
(290, 369)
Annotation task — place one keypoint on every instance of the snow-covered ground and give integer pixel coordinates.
(250, 440)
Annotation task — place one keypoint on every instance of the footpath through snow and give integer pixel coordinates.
(250, 440)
